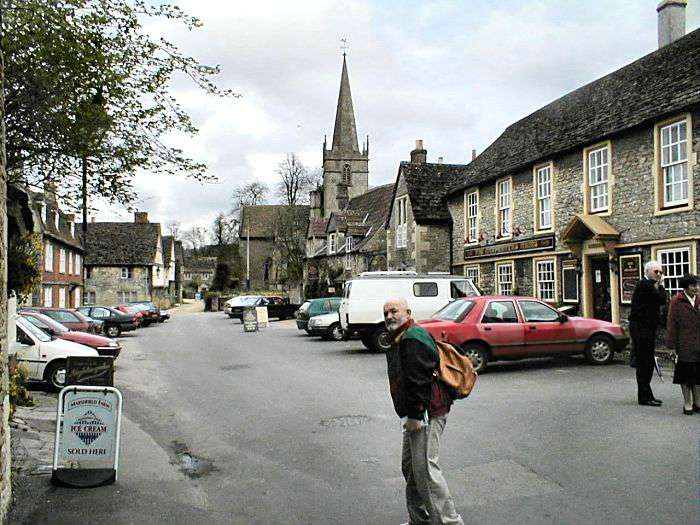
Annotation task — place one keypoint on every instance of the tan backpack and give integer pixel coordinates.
(455, 370)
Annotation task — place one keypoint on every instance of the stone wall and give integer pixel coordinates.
(401, 258)
(433, 247)
(106, 282)
(260, 251)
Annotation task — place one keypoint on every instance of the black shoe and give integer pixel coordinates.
(650, 403)
(657, 401)
(688, 411)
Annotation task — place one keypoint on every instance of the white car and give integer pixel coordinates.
(326, 325)
(43, 356)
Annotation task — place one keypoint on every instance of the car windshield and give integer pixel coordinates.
(245, 300)
(44, 321)
(454, 311)
(31, 329)
(139, 307)
(304, 307)
(462, 289)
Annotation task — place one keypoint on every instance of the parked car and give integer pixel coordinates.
(115, 322)
(494, 328)
(364, 296)
(72, 319)
(327, 326)
(43, 356)
(103, 345)
(131, 309)
(277, 307)
(313, 307)
(164, 315)
(151, 312)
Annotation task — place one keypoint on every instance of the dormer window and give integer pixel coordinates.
(55, 218)
(331, 243)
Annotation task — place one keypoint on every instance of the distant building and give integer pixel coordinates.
(198, 271)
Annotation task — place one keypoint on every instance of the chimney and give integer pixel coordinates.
(315, 201)
(671, 22)
(419, 155)
(473, 154)
(439, 160)
(141, 217)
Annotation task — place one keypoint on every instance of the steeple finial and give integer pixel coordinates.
(345, 132)
(345, 46)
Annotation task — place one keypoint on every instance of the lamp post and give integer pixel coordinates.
(247, 259)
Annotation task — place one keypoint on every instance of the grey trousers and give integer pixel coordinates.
(428, 499)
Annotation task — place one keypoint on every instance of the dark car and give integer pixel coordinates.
(72, 319)
(314, 307)
(278, 307)
(103, 345)
(151, 312)
(131, 309)
(115, 322)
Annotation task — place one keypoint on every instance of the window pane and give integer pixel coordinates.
(425, 289)
(500, 312)
(535, 312)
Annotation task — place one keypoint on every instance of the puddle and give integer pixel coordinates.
(233, 367)
(191, 465)
(344, 421)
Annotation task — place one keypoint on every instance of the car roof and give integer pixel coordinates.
(411, 276)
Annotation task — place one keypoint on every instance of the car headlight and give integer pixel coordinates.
(113, 344)
(313, 322)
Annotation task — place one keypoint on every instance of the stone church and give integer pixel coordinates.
(346, 233)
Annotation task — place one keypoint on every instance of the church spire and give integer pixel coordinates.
(345, 133)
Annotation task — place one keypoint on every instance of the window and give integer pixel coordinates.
(127, 273)
(100, 313)
(543, 203)
(347, 175)
(62, 260)
(675, 263)
(504, 207)
(535, 312)
(70, 263)
(123, 297)
(331, 243)
(77, 263)
(472, 204)
(598, 174)
(425, 289)
(349, 243)
(472, 273)
(90, 298)
(55, 218)
(48, 296)
(674, 163)
(500, 312)
(61, 297)
(504, 278)
(48, 256)
(76, 298)
(569, 279)
(401, 223)
(546, 280)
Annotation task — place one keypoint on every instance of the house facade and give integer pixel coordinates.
(198, 273)
(569, 203)
(124, 262)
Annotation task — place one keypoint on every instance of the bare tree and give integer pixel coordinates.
(173, 228)
(295, 181)
(250, 194)
(223, 229)
(196, 237)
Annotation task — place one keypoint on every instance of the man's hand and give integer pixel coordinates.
(412, 425)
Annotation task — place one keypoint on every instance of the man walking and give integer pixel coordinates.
(422, 403)
(647, 299)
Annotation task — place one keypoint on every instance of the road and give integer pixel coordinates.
(275, 427)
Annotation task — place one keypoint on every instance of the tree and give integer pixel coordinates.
(223, 229)
(86, 83)
(173, 229)
(196, 237)
(251, 194)
(222, 277)
(289, 240)
(295, 181)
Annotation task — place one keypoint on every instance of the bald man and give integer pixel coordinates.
(423, 403)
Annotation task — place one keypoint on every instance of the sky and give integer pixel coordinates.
(454, 74)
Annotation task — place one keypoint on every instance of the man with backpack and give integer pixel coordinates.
(422, 402)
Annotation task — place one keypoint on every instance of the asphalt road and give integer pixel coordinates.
(275, 427)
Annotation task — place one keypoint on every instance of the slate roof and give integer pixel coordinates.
(62, 233)
(339, 220)
(167, 247)
(317, 228)
(121, 243)
(262, 219)
(200, 264)
(427, 184)
(661, 83)
(374, 205)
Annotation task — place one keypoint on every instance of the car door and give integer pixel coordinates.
(545, 333)
(27, 349)
(501, 328)
(101, 314)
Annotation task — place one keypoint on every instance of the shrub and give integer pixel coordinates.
(19, 395)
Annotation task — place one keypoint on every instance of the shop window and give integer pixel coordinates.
(675, 263)
(472, 273)
(504, 278)
(570, 283)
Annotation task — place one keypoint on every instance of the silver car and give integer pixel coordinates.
(327, 326)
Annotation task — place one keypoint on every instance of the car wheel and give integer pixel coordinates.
(599, 350)
(380, 340)
(55, 375)
(113, 330)
(335, 332)
(307, 331)
(230, 316)
(367, 341)
(478, 356)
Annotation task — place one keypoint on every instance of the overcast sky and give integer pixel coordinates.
(454, 74)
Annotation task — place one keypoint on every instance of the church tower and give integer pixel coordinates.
(345, 168)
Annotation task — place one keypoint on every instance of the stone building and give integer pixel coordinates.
(198, 271)
(571, 201)
(124, 262)
(179, 263)
(418, 223)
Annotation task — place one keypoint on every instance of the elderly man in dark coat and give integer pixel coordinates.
(647, 299)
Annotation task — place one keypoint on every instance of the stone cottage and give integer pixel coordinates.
(571, 201)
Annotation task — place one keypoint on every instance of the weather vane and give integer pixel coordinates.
(344, 47)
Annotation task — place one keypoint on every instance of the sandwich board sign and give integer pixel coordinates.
(250, 319)
(261, 316)
(86, 445)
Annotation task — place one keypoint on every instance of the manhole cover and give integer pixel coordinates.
(234, 367)
(344, 421)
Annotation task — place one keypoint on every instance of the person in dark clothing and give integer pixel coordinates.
(422, 403)
(683, 336)
(647, 299)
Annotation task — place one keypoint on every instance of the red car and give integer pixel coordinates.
(103, 345)
(69, 318)
(504, 328)
(129, 309)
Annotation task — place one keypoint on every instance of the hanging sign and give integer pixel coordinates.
(630, 275)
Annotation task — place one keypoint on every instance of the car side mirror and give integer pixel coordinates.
(563, 318)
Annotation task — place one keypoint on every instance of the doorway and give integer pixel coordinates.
(600, 278)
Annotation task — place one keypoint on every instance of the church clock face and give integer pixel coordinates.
(347, 175)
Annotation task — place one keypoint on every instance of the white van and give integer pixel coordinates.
(364, 296)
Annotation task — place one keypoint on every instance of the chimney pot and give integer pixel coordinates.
(439, 160)
(419, 155)
(473, 154)
(141, 217)
(671, 21)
